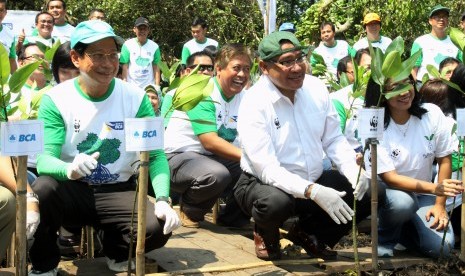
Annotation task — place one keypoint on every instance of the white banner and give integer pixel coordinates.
(272, 13)
(16, 21)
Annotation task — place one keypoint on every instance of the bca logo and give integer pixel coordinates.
(23, 138)
(374, 121)
(149, 134)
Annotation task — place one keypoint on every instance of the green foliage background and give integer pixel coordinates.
(241, 20)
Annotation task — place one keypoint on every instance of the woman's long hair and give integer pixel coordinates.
(374, 92)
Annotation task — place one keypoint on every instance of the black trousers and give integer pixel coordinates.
(108, 208)
(270, 207)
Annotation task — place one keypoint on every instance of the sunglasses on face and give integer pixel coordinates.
(202, 67)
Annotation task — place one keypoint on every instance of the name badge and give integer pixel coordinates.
(20, 138)
(144, 134)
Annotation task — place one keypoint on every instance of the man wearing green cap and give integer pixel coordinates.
(435, 46)
(87, 176)
(286, 122)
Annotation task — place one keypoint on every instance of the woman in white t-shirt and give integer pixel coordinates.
(414, 213)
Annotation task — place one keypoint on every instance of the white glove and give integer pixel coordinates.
(331, 202)
(32, 222)
(361, 187)
(82, 165)
(164, 212)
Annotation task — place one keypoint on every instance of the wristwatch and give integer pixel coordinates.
(165, 199)
(32, 197)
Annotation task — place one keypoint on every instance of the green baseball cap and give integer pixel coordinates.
(90, 31)
(438, 8)
(270, 46)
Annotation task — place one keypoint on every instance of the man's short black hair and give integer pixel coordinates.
(96, 10)
(191, 59)
(62, 1)
(4, 1)
(22, 51)
(359, 54)
(324, 23)
(342, 66)
(40, 13)
(199, 21)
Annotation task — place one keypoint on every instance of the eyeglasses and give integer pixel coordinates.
(440, 16)
(99, 57)
(202, 67)
(46, 21)
(291, 62)
(34, 57)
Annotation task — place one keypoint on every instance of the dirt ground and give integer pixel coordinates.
(451, 266)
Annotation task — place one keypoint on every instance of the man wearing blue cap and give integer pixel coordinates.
(286, 121)
(87, 176)
(288, 27)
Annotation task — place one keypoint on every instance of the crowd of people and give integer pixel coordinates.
(278, 148)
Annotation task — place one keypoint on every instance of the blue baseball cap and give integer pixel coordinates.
(90, 31)
(287, 26)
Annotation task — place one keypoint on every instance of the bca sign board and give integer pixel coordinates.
(17, 20)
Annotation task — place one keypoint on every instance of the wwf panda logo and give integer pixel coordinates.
(395, 153)
(276, 123)
(374, 121)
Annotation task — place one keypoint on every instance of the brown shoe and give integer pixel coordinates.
(267, 252)
(186, 221)
(310, 243)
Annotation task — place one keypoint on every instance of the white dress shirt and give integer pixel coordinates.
(283, 142)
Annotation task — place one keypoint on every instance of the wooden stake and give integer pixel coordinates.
(141, 213)
(374, 206)
(462, 224)
(21, 247)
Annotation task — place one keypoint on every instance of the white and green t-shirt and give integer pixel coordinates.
(347, 108)
(7, 38)
(62, 32)
(140, 60)
(332, 55)
(413, 154)
(382, 43)
(75, 123)
(434, 50)
(215, 114)
(192, 46)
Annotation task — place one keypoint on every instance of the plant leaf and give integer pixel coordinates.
(377, 59)
(401, 88)
(453, 85)
(19, 78)
(396, 45)
(50, 52)
(392, 64)
(318, 58)
(406, 67)
(165, 71)
(458, 38)
(433, 71)
(4, 65)
(190, 92)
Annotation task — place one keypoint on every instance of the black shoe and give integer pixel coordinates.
(310, 243)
